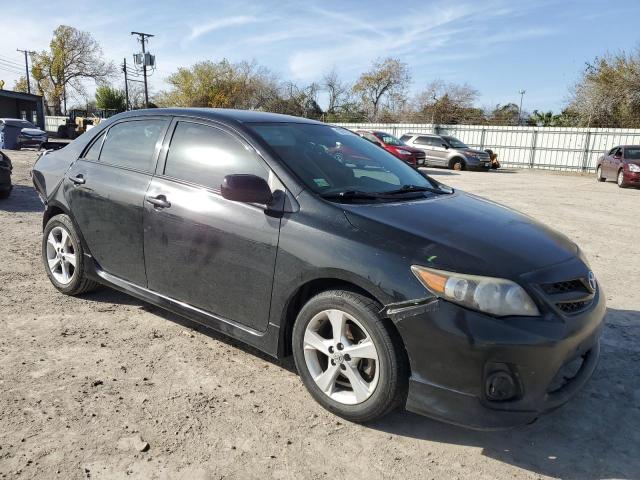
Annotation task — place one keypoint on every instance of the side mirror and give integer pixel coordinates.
(246, 188)
(618, 155)
(446, 147)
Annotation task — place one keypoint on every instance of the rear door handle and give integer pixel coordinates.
(78, 179)
(159, 202)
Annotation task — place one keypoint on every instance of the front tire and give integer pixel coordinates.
(620, 179)
(457, 164)
(599, 176)
(63, 257)
(347, 358)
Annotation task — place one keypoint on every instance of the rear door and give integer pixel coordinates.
(106, 188)
(425, 143)
(212, 253)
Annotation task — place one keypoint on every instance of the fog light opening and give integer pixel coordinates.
(501, 386)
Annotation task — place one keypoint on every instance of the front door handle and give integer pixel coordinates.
(78, 179)
(159, 202)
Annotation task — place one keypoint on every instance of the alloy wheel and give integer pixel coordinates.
(620, 178)
(341, 357)
(61, 255)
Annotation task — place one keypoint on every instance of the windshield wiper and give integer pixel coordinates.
(349, 194)
(413, 188)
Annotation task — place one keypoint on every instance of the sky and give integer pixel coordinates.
(496, 46)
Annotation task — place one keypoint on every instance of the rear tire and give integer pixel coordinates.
(360, 374)
(599, 176)
(63, 257)
(620, 179)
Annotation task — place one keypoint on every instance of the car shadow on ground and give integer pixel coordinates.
(22, 199)
(596, 435)
(109, 295)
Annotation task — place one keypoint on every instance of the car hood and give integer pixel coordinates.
(464, 233)
(471, 151)
(407, 148)
(32, 132)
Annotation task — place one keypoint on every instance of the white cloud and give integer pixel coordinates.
(213, 25)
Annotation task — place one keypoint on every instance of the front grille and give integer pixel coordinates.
(569, 296)
(420, 155)
(573, 307)
(564, 287)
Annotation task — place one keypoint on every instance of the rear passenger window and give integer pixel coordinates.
(94, 151)
(424, 140)
(132, 144)
(405, 138)
(204, 155)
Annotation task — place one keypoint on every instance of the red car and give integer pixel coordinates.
(621, 163)
(395, 147)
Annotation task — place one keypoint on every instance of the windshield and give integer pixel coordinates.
(389, 139)
(455, 143)
(333, 160)
(632, 153)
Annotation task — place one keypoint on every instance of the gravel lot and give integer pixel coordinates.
(82, 378)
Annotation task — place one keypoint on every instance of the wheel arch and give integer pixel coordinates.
(56, 208)
(309, 289)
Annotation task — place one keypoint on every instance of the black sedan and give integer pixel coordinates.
(389, 288)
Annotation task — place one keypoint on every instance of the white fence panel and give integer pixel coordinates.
(555, 148)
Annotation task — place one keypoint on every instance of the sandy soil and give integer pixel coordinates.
(84, 382)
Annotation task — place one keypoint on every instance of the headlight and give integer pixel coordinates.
(496, 296)
(634, 168)
(403, 152)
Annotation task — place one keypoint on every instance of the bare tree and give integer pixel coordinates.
(73, 56)
(337, 90)
(387, 79)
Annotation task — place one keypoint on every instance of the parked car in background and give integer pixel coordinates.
(16, 133)
(389, 288)
(5, 176)
(413, 156)
(447, 151)
(621, 163)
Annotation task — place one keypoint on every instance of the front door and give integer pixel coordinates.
(214, 254)
(106, 188)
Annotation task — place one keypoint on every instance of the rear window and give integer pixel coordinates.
(132, 144)
(426, 140)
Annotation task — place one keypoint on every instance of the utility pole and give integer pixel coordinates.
(126, 83)
(144, 37)
(26, 66)
(521, 92)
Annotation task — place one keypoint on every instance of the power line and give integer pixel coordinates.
(8, 60)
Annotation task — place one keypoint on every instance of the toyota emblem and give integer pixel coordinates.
(591, 278)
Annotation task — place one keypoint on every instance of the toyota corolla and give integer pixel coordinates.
(389, 288)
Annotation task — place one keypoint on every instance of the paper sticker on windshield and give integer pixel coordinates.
(321, 182)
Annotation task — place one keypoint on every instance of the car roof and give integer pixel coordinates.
(422, 134)
(221, 114)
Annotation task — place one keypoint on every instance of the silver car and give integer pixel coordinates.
(447, 151)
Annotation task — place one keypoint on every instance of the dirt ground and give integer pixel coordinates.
(82, 378)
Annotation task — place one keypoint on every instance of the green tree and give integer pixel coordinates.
(109, 98)
(73, 57)
(608, 92)
(222, 84)
(386, 81)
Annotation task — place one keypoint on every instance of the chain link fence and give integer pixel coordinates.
(553, 148)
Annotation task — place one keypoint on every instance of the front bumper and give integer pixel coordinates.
(454, 352)
(478, 164)
(631, 178)
(30, 142)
